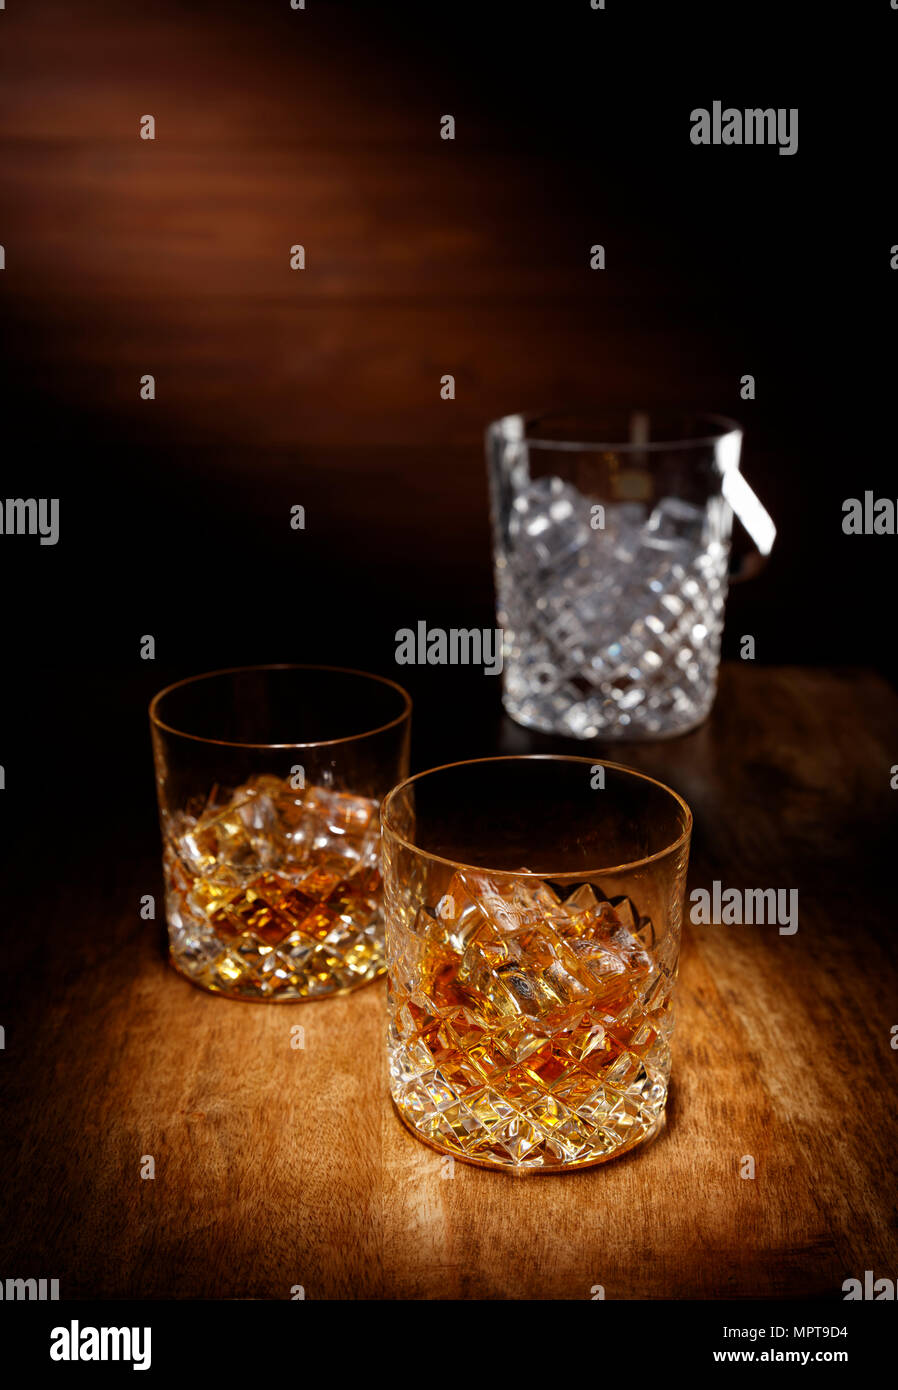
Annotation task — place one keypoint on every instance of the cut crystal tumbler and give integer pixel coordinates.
(533, 910)
(270, 781)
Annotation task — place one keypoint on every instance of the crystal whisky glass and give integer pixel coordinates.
(270, 780)
(533, 913)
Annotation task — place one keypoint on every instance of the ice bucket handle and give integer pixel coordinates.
(750, 511)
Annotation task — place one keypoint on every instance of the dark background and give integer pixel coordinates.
(424, 256)
(322, 388)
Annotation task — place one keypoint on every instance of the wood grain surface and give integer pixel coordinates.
(279, 1166)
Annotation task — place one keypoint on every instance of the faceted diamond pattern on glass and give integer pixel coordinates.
(614, 630)
(274, 892)
(527, 1029)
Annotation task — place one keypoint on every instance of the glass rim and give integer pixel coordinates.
(158, 723)
(725, 425)
(578, 874)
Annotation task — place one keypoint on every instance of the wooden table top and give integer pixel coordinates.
(278, 1166)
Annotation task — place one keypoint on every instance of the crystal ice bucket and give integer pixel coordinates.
(533, 912)
(611, 543)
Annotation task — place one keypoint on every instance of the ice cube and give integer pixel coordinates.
(339, 831)
(342, 813)
(498, 947)
(508, 903)
(287, 803)
(458, 914)
(549, 524)
(231, 842)
(512, 962)
(675, 522)
(622, 534)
